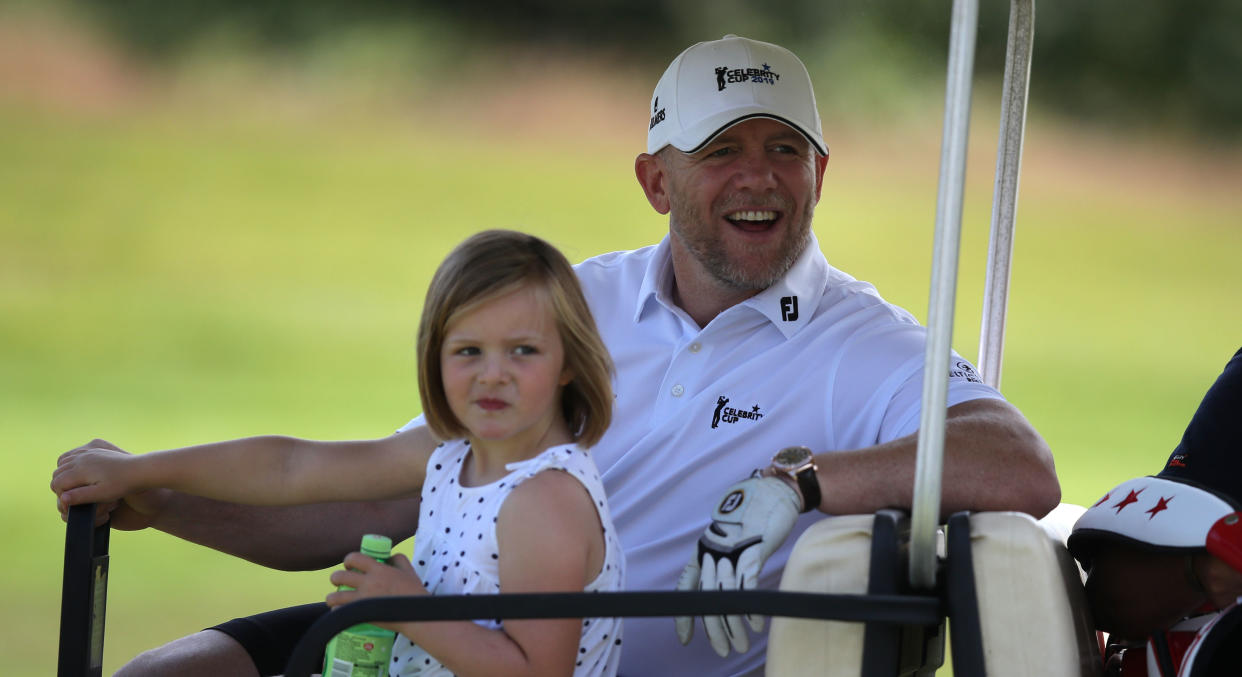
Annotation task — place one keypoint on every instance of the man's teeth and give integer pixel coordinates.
(753, 215)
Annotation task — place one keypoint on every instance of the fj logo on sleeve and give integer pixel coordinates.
(789, 308)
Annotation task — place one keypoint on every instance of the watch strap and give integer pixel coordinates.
(808, 484)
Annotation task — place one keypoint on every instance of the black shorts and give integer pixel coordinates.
(270, 637)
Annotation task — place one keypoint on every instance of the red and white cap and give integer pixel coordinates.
(714, 85)
(1161, 514)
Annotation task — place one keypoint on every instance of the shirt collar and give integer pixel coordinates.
(791, 301)
(788, 304)
(657, 286)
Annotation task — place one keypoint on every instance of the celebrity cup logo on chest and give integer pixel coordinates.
(726, 414)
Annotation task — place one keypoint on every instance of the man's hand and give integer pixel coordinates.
(749, 524)
(135, 511)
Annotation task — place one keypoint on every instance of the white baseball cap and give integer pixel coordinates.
(714, 85)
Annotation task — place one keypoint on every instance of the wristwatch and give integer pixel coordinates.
(799, 464)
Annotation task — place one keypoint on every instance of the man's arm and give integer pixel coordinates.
(290, 538)
(993, 460)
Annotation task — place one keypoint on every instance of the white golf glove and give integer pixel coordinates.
(750, 523)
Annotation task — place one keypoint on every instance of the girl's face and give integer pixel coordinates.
(503, 369)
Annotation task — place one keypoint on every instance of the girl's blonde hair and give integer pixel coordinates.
(491, 264)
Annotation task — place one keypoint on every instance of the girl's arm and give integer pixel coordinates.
(268, 470)
(550, 540)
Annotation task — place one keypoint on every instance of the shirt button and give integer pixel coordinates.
(678, 390)
(696, 347)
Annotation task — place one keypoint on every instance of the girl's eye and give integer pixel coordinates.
(467, 351)
(525, 350)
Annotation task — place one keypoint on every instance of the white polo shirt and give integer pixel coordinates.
(819, 359)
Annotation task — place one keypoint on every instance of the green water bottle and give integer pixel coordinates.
(364, 649)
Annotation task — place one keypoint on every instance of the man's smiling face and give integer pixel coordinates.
(742, 205)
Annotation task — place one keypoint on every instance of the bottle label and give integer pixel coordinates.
(363, 650)
(355, 654)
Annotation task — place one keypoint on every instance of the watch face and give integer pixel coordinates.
(792, 457)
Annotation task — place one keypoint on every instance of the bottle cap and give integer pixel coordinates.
(377, 546)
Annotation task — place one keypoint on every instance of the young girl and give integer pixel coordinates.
(515, 380)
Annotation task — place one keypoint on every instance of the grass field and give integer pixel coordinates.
(187, 273)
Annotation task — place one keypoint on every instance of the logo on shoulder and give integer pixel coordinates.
(962, 370)
(726, 76)
(1177, 461)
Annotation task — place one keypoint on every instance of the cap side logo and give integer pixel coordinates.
(726, 76)
(657, 114)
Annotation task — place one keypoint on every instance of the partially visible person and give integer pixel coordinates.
(1163, 554)
(733, 338)
(515, 379)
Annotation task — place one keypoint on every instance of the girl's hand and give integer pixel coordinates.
(370, 578)
(96, 472)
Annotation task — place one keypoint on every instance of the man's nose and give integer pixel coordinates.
(755, 171)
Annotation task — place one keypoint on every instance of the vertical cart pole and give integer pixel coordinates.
(83, 595)
(930, 462)
(1005, 195)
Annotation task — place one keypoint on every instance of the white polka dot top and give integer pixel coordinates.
(455, 551)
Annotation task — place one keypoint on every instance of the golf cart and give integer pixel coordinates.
(865, 594)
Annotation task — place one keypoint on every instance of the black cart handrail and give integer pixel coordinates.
(884, 609)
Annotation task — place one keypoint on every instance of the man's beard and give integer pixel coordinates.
(713, 255)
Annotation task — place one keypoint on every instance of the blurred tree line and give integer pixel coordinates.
(1175, 63)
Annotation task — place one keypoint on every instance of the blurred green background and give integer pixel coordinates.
(218, 220)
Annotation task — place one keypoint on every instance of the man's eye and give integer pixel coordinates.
(720, 152)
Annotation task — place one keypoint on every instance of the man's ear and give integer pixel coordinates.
(651, 176)
(821, 166)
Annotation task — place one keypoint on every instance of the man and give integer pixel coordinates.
(733, 338)
(1164, 553)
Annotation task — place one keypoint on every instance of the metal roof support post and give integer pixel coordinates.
(930, 463)
(1005, 195)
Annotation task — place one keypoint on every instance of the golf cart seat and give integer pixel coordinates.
(848, 554)
(1014, 593)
